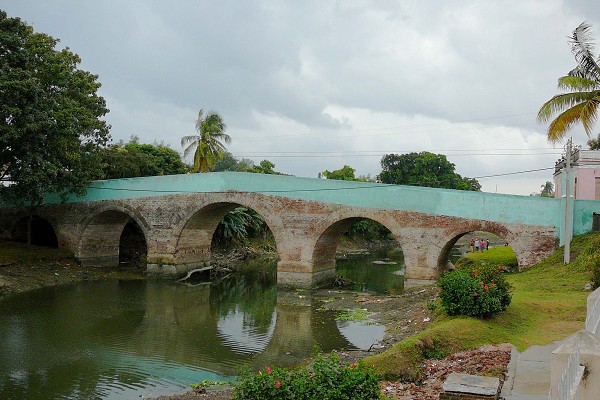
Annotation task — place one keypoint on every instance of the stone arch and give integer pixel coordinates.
(330, 231)
(195, 231)
(461, 230)
(43, 231)
(101, 234)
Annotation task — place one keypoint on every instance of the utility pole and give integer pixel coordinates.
(568, 217)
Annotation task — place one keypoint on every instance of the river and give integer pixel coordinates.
(139, 338)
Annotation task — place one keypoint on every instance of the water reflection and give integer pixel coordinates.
(381, 271)
(126, 339)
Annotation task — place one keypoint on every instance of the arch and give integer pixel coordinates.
(43, 232)
(461, 230)
(195, 232)
(327, 241)
(133, 247)
(100, 238)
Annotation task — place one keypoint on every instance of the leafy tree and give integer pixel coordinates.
(229, 163)
(239, 224)
(346, 173)
(207, 145)
(50, 118)
(424, 169)
(582, 85)
(265, 167)
(134, 159)
(547, 189)
(594, 144)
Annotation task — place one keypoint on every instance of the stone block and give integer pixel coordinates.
(470, 387)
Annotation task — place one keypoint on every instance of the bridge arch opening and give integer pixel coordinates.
(133, 249)
(113, 238)
(218, 228)
(348, 245)
(471, 242)
(42, 232)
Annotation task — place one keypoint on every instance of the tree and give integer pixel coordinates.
(594, 144)
(582, 85)
(265, 167)
(50, 118)
(135, 159)
(207, 145)
(424, 169)
(346, 173)
(547, 189)
(229, 163)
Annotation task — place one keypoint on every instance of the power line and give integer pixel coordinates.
(326, 155)
(410, 126)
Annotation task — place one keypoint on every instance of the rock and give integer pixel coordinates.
(384, 262)
(588, 286)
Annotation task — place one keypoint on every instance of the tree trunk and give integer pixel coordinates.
(29, 220)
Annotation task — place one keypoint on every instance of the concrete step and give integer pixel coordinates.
(531, 374)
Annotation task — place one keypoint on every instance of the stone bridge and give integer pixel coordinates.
(179, 214)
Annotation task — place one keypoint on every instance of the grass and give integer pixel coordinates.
(12, 252)
(502, 255)
(548, 304)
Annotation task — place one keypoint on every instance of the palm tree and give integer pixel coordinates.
(547, 189)
(207, 144)
(594, 144)
(581, 101)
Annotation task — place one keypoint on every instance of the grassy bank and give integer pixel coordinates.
(548, 304)
(24, 268)
(12, 253)
(502, 255)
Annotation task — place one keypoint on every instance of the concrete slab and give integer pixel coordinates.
(532, 376)
(471, 384)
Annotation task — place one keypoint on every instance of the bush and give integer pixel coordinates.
(596, 272)
(493, 276)
(465, 292)
(328, 378)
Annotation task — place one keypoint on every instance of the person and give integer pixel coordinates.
(476, 245)
(472, 245)
(487, 244)
(482, 245)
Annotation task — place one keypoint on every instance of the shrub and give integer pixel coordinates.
(596, 272)
(466, 293)
(493, 276)
(328, 378)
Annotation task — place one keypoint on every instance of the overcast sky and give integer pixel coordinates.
(313, 85)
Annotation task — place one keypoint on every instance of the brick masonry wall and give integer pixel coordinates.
(178, 231)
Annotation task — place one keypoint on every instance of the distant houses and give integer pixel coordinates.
(585, 166)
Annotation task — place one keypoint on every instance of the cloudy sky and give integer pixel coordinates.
(315, 84)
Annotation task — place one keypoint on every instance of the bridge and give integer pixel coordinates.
(178, 215)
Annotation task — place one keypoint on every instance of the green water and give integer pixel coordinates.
(133, 339)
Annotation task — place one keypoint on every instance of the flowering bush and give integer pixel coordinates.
(328, 378)
(465, 292)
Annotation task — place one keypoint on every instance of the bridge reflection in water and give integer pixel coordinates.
(113, 339)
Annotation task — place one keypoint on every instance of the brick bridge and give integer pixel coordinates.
(179, 214)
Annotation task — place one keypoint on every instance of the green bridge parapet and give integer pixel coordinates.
(529, 210)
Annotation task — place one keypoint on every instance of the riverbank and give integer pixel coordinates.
(24, 268)
(548, 304)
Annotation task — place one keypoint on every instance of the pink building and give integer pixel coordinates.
(585, 166)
